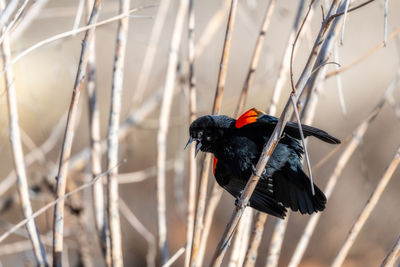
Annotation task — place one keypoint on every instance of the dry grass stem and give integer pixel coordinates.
(163, 128)
(192, 116)
(255, 239)
(78, 15)
(142, 175)
(385, 22)
(341, 163)
(174, 257)
(255, 58)
(285, 62)
(201, 200)
(18, 156)
(344, 21)
(151, 50)
(142, 230)
(112, 139)
(10, 25)
(95, 146)
(339, 81)
(277, 241)
(393, 255)
(366, 212)
(241, 240)
(58, 223)
(364, 56)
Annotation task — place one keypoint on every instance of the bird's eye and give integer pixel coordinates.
(199, 134)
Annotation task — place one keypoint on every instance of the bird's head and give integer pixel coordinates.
(207, 130)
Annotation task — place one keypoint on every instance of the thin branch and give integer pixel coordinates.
(78, 15)
(163, 128)
(366, 212)
(145, 72)
(346, 9)
(142, 230)
(255, 239)
(201, 200)
(58, 223)
(277, 241)
(192, 116)
(241, 240)
(112, 138)
(174, 257)
(255, 58)
(339, 81)
(393, 255)
(142, 175)
(18, 155)
(385, 22)
(11, 24)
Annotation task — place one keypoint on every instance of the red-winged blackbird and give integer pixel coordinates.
(237, 146)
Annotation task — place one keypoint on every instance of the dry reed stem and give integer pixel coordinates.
(277, 241)
(58, 223)
(192, 116)
(163, 128)
(366, 212)
(150, 54)
(201, 200)
(7, 11)
(67, 34)
(255, 239)
(34, 11)
(11, 24)
(211, 29)
(346, 9)
(339, 81)
(256, 57)
(78, 14)
(174, 257)
(364, 56)
(142, 175)
(341, 163)
(385, 22)
(95, 147)
(393, 255)
(274, 139)
(142, 230)
(18, 156)
(241, 240)
(285, 62)
(112, 139)
(51, 204)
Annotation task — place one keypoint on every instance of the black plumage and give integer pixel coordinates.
(237, 146)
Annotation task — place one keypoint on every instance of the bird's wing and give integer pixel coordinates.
(292, 188)
(256, 118)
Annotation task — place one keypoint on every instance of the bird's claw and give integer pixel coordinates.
(254, 170)
(239, 203)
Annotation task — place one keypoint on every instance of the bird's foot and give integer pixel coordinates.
(254, 170)
(239, 203)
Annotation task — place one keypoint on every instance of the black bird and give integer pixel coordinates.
(237, 146)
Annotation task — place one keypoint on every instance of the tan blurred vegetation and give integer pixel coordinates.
(44, 81)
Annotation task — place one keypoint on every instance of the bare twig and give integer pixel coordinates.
(174, 257)
(241, 240)
(192, 116)
(78, 15)
(147, 235)
(112, 138)
(17, 152)
(366, 212)
(255, 239)
(150, 53)
(385, 22)
(11, 24)
(58, 223)
(139, 176)
(346, 9)
(276, 241)
(255, 58)
(163, 128)
(201, 200)
(393, 255)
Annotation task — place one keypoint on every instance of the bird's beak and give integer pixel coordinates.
(198, 145)
(191, 139)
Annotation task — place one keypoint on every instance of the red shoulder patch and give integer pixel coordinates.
(248, 117)
(215, 164)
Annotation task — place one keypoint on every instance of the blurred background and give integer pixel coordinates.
(44, 80)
